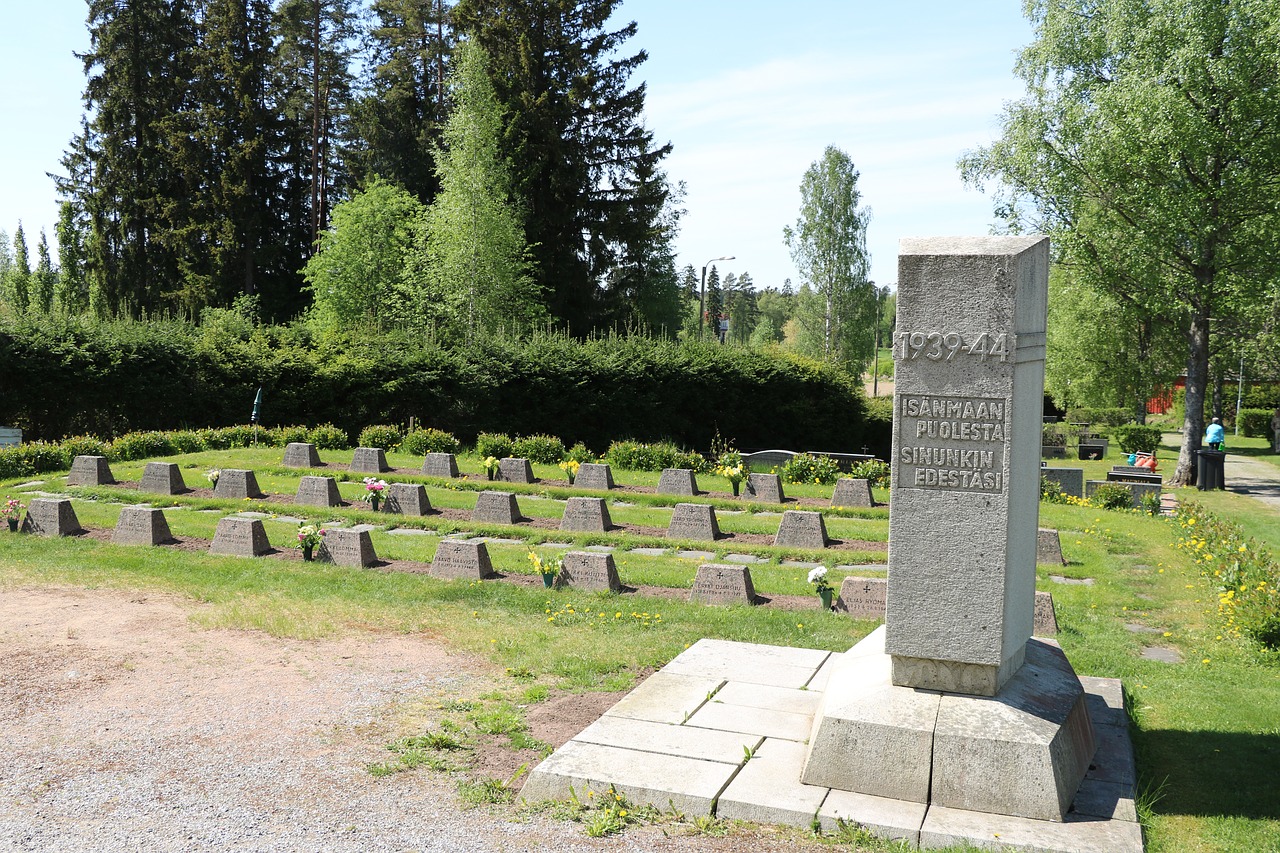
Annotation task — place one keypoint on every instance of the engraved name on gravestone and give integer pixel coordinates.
(141, 525)
(163, 478)
(693, 521)
(407, 499)
(300, 454)
(718, 583)
(236, 484)
(969, 382)
(461, 560)
(589, 571)
(677, 481)
(240, 537)
(850, 492)
(586, 515)
(862, 598)
(318, 491)
(369, 460)
(90, 471)
(50, 517)
(496, 508)
(345, 547)
(801, 529)
(764, 487)
(594, 475)
(515, 470)
(440, 465)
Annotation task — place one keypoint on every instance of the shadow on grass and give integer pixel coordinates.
(1209, 773)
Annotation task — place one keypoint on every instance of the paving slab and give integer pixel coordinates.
(666, 697)
(1077, 834)
(600, 549)
(648, 552)
(894, 819)
(744, 559)
(754, 664)
(690, 784)
(768, 789)
(410, 531)
(796, 701)
(696, 555)
(784, 725)
(1106, 800)
(800, 564)
(668, 739)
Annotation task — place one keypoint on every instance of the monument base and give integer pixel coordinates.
(1022, 752)
(679, 738)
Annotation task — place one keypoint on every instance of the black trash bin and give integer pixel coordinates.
(1209, 475)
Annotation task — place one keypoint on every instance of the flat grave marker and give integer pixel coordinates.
(693, 521)
(240, 537)
(718, 583)
(141, 525)
(162, 478)
(586, 515)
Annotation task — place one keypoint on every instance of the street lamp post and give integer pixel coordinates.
(702, 296)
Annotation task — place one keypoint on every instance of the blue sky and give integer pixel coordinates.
(750, 93)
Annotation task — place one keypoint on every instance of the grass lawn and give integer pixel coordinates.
(1207, 729)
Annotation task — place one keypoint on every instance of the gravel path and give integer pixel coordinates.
(125, 728)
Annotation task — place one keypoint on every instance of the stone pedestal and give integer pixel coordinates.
(407, 499)
(515, 470)
(693, 521)
(369, 460)
(850, 492)
(677, 481)
(162, 478)
(594, 475)
(586, 515)
(763, 487)
(496, 508)
(298, 454)
(589, 571)
(236, 484)
(718, 583)
(141, 525)
(51, 517)
(90, 471)
(801, 529)
(440, 465)
(345, 547)
(456, 560)
(240, 537)
(318, 491)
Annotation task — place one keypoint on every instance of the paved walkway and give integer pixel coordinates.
(1259, 480)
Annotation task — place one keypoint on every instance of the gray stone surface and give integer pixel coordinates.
(1049, 548)
(693, 521)
(945, 827)
(240, 537)
(677, 481)
(589, 571)
(586, 515)
(440, 465)
(139, 525)
(162, 478)
(50, 517)
(594, 475)
(369, 460)
(1070, 479)
(667, 697)
(862, 598)
(236, 484)
(763, 487)
(407, 499)
(801, 529)
(969, 383)
(744, 559)
(1045, 618)
(768, 789)
(716, 583)
(318, 491)
(301, 454)
(496, 508)
(851, 492)
(456, 560)
(515, 470)
(90, 471)
(349, 547)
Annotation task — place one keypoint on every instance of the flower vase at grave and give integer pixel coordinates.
(308, 553)
(548, 579)
(735, 489)
(13, 525)
(373, 501)
(825, 595)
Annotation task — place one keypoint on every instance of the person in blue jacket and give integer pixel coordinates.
(1214, 436)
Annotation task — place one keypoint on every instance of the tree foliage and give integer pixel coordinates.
(1147, 147)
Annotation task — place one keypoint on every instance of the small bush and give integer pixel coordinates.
(1051, 491)
(142, 445)
(187, 441)
(330, 437)
(803, 468)
(1133, 438)
(420, 442)
(637, 456)
(286, 435)
(33, 457)
(382, 436)
(1112, 496)
(580, 453)
(1099, 416)
(1255, 423)
(873, 470)
(493, 444)
(81, 445)
(241, 436)
(543, 449)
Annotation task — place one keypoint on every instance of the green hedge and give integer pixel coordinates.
(1133, 438)
(70, 376)
(1099, 416)
(1256, 423)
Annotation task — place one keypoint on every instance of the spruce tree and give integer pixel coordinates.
(44, 279)
(20, 273)
(71, 295)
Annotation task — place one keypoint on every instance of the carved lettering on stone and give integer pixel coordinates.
(440, 465)
(407, 499)
(164, 478)
(586, 515)
(515, 470)
(496, 508)
(236, 484)
(677, 481)
(51, 517)
(717, 583)
(240, 537)
(802, 529)
(369, 460)
(851, 492)
(862, 598)
(140, 525)
(299, 454)
(952, 443)
(318, 491)
(344, 547)
(90, 471)
(693, 521)
(594, 475)
(590, 572)
(461, 560)
(764, 487)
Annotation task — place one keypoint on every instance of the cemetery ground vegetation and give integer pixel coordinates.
(1202, 728)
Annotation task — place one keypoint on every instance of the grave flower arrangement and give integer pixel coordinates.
(818, 577)
(491, 466)
(11, 511)
(213, 476)
(570, 468)
(547, 568)
(373, 489)
(730, 467)
(309, 536)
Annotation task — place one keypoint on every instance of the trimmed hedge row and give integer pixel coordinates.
(70, 376)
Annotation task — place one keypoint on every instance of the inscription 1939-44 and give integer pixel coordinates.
(952, 443)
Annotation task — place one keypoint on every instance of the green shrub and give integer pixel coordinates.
(493, 444)
(141, 445)
(420, 442)
(1112, 496)
(286, 435)
(188, 441)
(1051, 491)
(873, 470)
(1054, 435)
(82, 445)
(803, 468)
(382, 436)
(330, 437)
(1099, 416)
(580, 453)
(33, 457)
(543, 449)
(638, 456)
(1255, 423)
(1134, 438)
